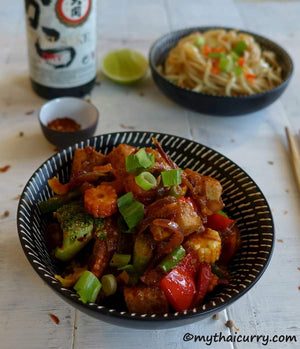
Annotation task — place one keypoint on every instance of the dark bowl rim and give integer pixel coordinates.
(125, 315)
(69, 133)
(186, 31)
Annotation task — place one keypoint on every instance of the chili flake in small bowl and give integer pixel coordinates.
(64, 125)
(68, 120)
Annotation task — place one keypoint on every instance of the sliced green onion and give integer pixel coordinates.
(222, 213)
(214, 54)
(133, 214)
(140, 161)
(238, 70)
(199, 41)
(87, 287)
(172, 259)
(145, 180)
(125, 200)
(144, 158)
(234, 55)
(176, 191)
(172, 177)
(131, 210)
(119, 260)
(142, 253)
(109, 284)
(123, 226)
(128, 267)
(240, 47)
(225, 64)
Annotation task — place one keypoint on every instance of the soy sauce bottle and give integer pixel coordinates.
(61, 37)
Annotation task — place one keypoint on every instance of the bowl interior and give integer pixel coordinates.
(83, 112)
(160, 49)
(244, 202)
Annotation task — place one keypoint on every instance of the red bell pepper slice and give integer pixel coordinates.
(189, 265)
(218, 222)
(202, 284)
(179, 285)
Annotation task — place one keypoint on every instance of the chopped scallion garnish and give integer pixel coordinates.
(172, 177)
(140, 161)
(87, 287)
(119, 260)
(199, 41)
(225, 64)
(145, 180)
(238, 70)
(131, 210)
(234, 55)
(240, 47)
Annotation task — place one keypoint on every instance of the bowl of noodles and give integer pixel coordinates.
(220, 71)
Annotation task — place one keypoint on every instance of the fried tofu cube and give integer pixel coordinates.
(118, 155)
(213, 188)
(146, 300)
(86, 159)
(187, 218)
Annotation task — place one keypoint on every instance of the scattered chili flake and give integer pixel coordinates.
(29, 112)
(232, 140)
(5, 214)
(216, 316)
(230, 324)
(298, 287)
(64, 125)
(271, 162)
(4, 168)
(127, 127)
(54, 318)
(298, 268)
(285, 212)
(279, 240)
(21, 134)
(142, 94)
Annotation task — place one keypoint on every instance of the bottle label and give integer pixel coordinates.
(61, 41)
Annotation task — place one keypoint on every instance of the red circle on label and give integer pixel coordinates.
(68, 19)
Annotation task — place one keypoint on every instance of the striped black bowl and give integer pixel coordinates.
(215, 104)
(244, 202)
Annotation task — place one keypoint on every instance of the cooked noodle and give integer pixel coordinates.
(197, 65)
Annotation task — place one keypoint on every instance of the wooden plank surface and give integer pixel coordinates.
(256, 142)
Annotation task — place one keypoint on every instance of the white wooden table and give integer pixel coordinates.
(256, 142)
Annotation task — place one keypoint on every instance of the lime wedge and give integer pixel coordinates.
(124, 66)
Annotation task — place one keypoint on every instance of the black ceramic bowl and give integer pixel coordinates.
(212, 104)
(244, 202)
(81, 111)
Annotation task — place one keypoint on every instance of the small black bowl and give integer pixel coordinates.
(244, 202)
(213, 104)
(81, 111)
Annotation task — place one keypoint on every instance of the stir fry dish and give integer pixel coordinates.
(133, 227)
